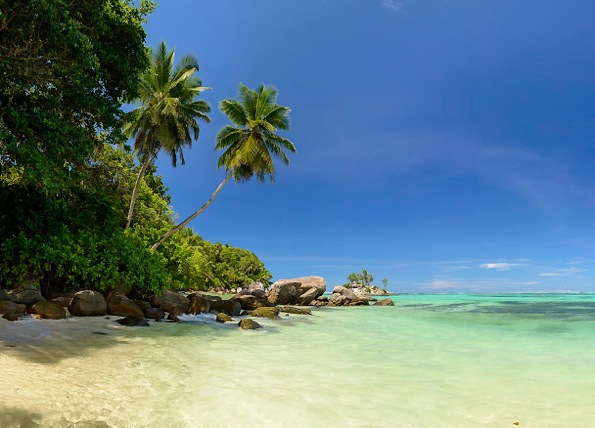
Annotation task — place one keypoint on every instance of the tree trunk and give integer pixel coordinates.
(196, 213)
(139, 177)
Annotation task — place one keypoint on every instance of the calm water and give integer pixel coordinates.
(430, 361)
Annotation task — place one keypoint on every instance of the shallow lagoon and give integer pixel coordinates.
(430, 361)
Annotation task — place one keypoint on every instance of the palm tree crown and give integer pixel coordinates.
(167, 118)
(251, 142)
(169, 111)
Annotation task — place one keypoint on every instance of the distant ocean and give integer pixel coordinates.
(464, 360)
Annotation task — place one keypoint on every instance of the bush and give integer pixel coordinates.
(69, 261)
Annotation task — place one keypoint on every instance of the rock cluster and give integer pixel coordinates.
(298, 291)
(343, 296)
(253, 301)
(27, 299)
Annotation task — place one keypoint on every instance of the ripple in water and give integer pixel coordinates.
(430, 361)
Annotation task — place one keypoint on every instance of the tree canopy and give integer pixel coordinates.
(66, 174)
(250, 144)
(169, 111)
(65, 68)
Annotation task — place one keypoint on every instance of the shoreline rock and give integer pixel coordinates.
(286, 295)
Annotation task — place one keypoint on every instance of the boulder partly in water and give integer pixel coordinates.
(88, 303)
(48, 310)
(384, 302)
(266, 312)
(122, 306)
(133, 322)
(249, 324)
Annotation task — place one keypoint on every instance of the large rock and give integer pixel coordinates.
(306, 283)
(24, 296)
(338, 299)
(11, 317)
(345, 292)
(170, 297)
(250, 302)
(154, 313)
(223, 317)
(210, 297)
(271, 313)
(294, 310)
(249, 324)
(198, 305)
(284, 293)
(63, 301)
(48, 310)
(142, 304)
(384, 302)
(173, 311)
(8, 307)
(258, 292)
(88, 303)
(231, 307)
(122, 306)
(133, 322)
(307, 297)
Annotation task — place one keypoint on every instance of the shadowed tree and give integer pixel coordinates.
(250, 143)
(169, 111)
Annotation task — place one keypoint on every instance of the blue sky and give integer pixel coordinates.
(446, 145)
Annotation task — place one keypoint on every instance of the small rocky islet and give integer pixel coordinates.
(289, 296)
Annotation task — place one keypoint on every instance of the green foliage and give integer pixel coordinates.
(169, 111)
(363, 278)
(98, 254)
(249, 145)
(84, 259)
(65, 66)
(384, 283)
(191, 262)
(252, 141)
(198, 264)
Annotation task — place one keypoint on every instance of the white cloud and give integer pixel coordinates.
(393, 5)
(479, 285)
(451, 266)
(562, 272)
(499, 266)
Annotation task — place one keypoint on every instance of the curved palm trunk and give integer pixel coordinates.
(196, 213)
(139, 177)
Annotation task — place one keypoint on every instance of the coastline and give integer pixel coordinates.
(438, 360)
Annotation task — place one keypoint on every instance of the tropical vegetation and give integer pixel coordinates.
(363, 278)
(78, 207)
(168, 114)
(249, 144)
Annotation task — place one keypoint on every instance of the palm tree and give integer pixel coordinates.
(250, 143)
(167, 118)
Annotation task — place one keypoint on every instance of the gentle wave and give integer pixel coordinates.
(430, 361)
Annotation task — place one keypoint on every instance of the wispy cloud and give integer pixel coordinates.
(559, 273)
(452, 265)
(478, 285)
(393, 5)
(499, 266)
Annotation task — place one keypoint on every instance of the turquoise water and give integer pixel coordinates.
(430, 361)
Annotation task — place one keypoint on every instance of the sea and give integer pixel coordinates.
(458, 360)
